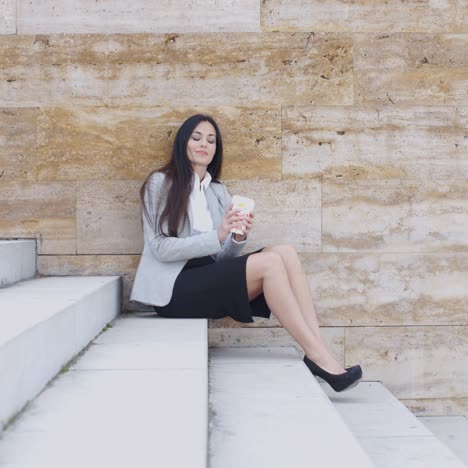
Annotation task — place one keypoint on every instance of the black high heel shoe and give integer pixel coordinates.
(338, 382)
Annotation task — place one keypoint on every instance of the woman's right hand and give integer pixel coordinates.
(229, 221)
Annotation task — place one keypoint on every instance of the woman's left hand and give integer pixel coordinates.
(246, 225)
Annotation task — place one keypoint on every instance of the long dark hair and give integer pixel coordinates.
(179, 177)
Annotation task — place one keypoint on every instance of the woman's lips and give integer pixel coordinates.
(201, 152)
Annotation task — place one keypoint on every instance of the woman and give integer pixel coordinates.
(192, 266)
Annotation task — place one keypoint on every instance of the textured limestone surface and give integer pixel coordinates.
(90, 16)
(18, 143)
(7, 16)
(411, 69)
(108, 217)
(373, 142)
(41, 70)
(437, 406)
(231, 69)
(412, 362)
(270, 337)
(286, 211)
(107, 143)
(92, 265)
(395, 215)
(361, 16)
(359, 289)
(41, 210)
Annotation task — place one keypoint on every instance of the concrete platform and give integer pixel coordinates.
(268, 411)
(44, 322)
(388, 431)
(450, 430)
(17, 261)
(138, 397)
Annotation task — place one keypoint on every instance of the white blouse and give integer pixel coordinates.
(202, 221)
(201, 215)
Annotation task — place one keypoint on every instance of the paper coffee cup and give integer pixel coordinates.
(246, 206)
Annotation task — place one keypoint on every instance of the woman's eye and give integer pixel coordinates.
(211, 142)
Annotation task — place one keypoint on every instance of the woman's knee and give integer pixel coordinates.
(285, 250)
(267, 262)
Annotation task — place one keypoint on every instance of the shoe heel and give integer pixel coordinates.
(339, 382)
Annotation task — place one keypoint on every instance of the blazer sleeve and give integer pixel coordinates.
(231, 248)
(170, 249)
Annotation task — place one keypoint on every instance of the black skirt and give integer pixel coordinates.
(209, 289)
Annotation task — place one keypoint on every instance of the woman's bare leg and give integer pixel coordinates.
(267, 273)
(300, 287)
(298, 281)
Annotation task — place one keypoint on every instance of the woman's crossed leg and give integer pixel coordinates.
(278, 273)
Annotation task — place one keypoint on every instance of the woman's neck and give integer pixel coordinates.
(200, 173)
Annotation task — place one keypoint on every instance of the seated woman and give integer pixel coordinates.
(192, 266)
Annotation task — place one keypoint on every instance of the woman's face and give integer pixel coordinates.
(201, 146)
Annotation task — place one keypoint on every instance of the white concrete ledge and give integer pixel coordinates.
(388, 431)
(44, 322)
(268, 411)
(138, 397)
(17, 261)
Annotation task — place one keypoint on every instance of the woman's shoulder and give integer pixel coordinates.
(218, 186)
(220, 190)
(156, 179)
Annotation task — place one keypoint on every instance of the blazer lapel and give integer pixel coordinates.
(213, 206)
(190, 217)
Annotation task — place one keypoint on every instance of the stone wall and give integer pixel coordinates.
(346, 121)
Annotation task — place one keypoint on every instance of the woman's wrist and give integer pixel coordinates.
(222, 234)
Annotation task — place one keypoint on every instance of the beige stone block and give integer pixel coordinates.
(461, 133)
(286, 211)
(461, 19)
(395, 215)
(89, 16)
(361, 16)
(86, 143)
(52, 70)
(259, 322)
(7, 16)
(108, 217)
(411, 69)
(18, 143)
(350, 289)
(412, 362)
(233, 69)
(41, 210)
(271, 337)
(373, 142)
(438, 406)
(94, 265)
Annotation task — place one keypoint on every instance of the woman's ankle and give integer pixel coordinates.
(327, 363)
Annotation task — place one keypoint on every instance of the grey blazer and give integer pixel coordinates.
(164, 257)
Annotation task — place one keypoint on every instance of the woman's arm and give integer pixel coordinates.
(231, 246)
(170, 249)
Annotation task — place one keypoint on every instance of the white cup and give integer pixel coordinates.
(246, 206)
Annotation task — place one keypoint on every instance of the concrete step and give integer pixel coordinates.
(137, 397)
(450, 430)
(388, 431)
(267, 410)
(17, 261)
(44, 322)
